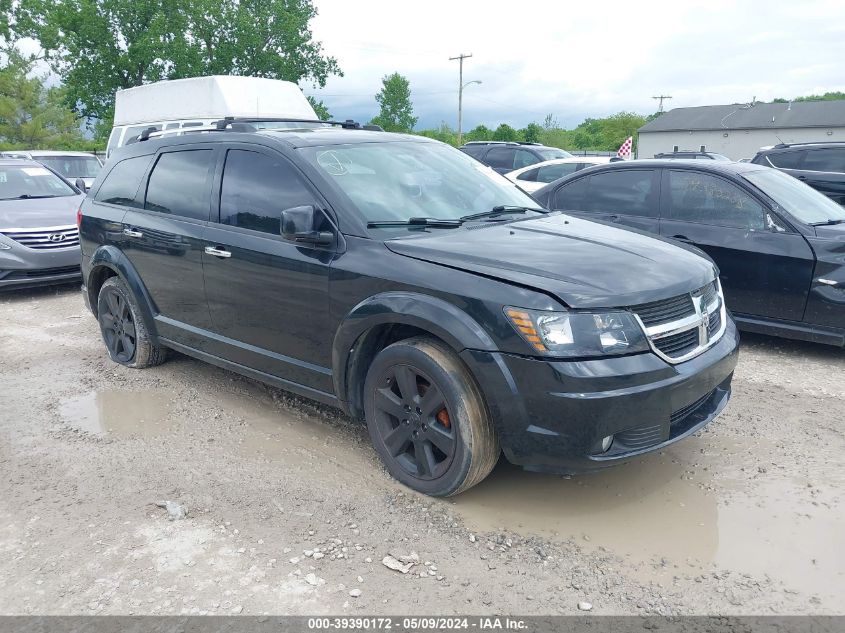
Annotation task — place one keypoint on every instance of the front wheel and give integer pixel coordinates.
(427, 420)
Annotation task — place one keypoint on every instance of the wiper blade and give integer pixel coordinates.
(502, 209)
(435, 222)
(826, 222)
(29, 196)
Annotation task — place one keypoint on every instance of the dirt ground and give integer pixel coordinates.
(289, 511)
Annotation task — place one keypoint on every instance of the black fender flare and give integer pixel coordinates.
(443, 319)
(114, 259)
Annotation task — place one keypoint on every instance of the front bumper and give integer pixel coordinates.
(22, 267)
(552, 415)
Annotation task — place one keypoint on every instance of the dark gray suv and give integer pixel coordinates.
(504, 157)
(820, 165)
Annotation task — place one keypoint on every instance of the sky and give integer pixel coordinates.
(577, 59)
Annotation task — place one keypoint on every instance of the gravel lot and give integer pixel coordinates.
(289, 511)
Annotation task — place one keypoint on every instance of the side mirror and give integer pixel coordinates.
(298, 226)
(80, 184)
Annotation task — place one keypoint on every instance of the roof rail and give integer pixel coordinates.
(244, 124)
(784, 145)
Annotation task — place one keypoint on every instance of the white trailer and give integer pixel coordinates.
(198, 101)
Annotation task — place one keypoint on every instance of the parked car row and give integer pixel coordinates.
(71, 166)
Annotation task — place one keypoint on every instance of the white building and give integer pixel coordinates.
(739, 130)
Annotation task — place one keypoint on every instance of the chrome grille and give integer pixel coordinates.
(47, 238)
(665, 311)
(682, 327)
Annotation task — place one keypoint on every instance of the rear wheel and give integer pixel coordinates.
(427, 419)
(123, 328)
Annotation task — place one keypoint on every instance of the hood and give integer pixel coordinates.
(584, 264)
(831, 232)
(39, 212)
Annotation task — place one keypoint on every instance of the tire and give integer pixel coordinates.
(427, 420)
(124, 330)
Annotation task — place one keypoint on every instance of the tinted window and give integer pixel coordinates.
(550, 173)
(474, 150)
(72, 166)
(501, 157)
(122, 182)
(697, 197)
(257, 188)
(623, 191)
(825, 160)
(523, 159)
(529, 175)
(571, 196)
(179, 184)
(786, 160)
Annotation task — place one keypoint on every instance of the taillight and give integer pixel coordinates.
(79, 217)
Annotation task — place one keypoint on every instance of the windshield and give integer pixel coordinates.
(72, 167)
(800, 200)
(402, 180)
(31, 181)
(551, 154)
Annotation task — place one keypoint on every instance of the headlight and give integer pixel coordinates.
(579, 333)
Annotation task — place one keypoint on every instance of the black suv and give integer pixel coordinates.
(395, 278)
(820, 165)
(692, 154)
(506, 156)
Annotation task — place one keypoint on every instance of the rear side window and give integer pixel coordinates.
(501, 158)
(706, 199)
(550, 173)
(529, 175)
(179, 184)
(571, 196)
(787, 160)
(622, 191)
(122, 182)
(524, 158)
(832, 160)
(256, 189)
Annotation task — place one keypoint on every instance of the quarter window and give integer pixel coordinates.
(122, 182)
(257, 188)
(622, 191)
(179, 184)
(706, 199)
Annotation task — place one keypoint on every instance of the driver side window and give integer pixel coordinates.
(256, 188)
(705, 199)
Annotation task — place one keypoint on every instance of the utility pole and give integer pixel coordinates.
(660, 98)
(460, 59)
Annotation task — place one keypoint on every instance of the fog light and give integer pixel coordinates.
(605, 443)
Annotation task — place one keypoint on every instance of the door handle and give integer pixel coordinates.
(217, 252)
(682, 238)
(132, 233)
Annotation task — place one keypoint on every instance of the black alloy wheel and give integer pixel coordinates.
(118, 326)
(413, 422)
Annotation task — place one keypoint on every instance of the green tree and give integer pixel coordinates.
(443, 133)
(320, 108)
(505, 133)
(396, 112)
(99, 46)
(531, 133)
(32, 115)
(479, 133)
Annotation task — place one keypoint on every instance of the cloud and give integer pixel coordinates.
(576, 60)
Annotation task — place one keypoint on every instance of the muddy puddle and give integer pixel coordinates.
(117, 412)
(675, 509)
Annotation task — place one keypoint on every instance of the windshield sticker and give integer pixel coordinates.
(35, 171)
(333, 164)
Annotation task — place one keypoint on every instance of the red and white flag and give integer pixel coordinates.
(625, 150)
